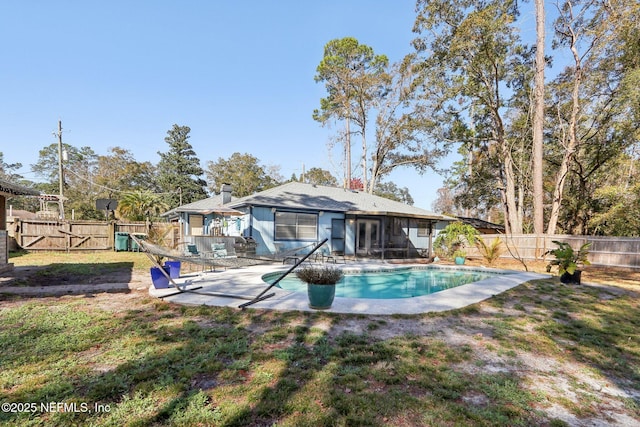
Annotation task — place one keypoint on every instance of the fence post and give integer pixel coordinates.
(112, 235)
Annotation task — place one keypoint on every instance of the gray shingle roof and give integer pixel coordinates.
(297, 195)
(199, 206)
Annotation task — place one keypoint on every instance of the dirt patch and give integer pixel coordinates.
(29, 281)
(559, 379)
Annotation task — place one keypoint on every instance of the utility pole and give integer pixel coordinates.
(60, 176)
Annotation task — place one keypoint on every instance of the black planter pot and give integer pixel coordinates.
(569, 278)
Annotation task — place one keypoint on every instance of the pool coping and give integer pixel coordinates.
(247, 283)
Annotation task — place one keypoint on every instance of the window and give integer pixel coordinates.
(423, 228)
(196, 223)
(296, 226)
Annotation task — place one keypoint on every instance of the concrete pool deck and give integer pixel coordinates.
(213, 289)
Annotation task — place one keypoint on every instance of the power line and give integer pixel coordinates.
(90, 181)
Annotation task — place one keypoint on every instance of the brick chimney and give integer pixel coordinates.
(225, 190)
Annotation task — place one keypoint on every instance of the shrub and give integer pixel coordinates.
(490, 251)
(454, 237)
(568, 260)
(320, 276)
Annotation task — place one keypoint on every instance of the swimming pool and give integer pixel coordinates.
(392, 283)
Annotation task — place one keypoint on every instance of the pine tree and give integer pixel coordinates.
(179, 170)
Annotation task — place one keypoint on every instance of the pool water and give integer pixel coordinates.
(405, 283)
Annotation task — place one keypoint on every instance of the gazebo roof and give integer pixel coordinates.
(11, 189)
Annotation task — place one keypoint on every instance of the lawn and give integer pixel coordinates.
(541, 354)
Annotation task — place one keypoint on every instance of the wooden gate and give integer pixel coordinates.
(57, 235)
(64, 235)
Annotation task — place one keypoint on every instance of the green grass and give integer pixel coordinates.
(154, 363)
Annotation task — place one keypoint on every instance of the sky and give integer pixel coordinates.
(239, 74)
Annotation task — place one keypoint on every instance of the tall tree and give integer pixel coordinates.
(538, 121)
(179, 170)
(242, 171)
(593, 124)
(118, 171)
(8, 172)
(474, 64)
(402, 129)
(79, 187)
(355, 79)
(618, 200)
(390, 190)
(444, 202)
(320, 176)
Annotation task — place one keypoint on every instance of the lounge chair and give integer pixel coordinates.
(218, 250)
(192, 250)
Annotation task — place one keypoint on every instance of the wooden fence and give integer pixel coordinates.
(65, 235)
(604, 251)
(62, 235)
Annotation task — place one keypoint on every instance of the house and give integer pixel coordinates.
(8, 189)
(208, 217)
(297, 215)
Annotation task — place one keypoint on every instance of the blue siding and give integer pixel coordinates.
(262, 225)
(259, 223)
(350, 237)
(263, 232)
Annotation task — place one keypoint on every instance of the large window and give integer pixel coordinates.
(296, 226)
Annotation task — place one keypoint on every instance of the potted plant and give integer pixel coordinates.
(459, 256)
(569, 261)
(321, 285)
(451, 241)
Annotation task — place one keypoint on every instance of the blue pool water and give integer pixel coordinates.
(389, 284)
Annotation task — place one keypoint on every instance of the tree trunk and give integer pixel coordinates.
(571, 144)
(538, 122)
(510, 206)
(347, 153)
(364, 163)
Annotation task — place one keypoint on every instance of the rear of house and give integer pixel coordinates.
(295, 215)
(298, 215)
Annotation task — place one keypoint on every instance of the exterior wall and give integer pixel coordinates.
(418, 242)
(438, 227)
(3, 212)
(350, 237)
(4, 250)
(260, 225)
(212, 225)
(324, 226)
(4, 237)
(263, 231)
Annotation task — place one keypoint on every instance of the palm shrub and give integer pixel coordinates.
(140, 205)
(490, 251)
